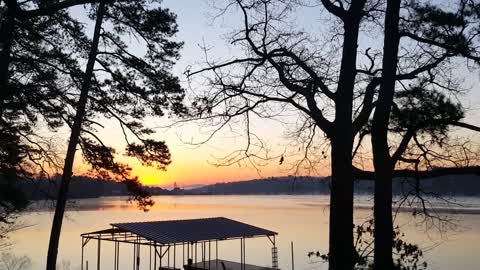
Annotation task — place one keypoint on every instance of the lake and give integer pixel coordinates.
(302, 220)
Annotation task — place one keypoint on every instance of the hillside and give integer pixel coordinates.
(465, 185)
(81, 187)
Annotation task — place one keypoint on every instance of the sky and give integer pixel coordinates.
(197, 164)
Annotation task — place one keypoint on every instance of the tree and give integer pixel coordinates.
(13, 13)
(5, 230)
(11, 262)
(124, 87)
(46, 44)
(12, 200)
(285, 66)
(442, 35)
(407, 256)
(384, 225)
(72, 144)
(33, 68)
(29, 95)
(288, 67)
(419, 141)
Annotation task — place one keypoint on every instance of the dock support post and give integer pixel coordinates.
(138, 254)
(134, 252)
(114, 255)
(155, 257)
(118, 255)
(203, 253)
(216, 253)
(244, 254)
(81, 264)
(160, 258)
(98, 255)
(241, 253)
(293, 261)
(174, 255)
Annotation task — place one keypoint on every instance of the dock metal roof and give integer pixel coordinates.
(183, 231)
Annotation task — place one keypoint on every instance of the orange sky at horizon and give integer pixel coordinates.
(198, 165)
(190, 171)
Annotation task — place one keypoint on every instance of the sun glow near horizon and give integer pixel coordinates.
(186, 172)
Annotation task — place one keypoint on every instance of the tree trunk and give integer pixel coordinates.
(342, 255)
(381, 156)
(383, 233)
(72, 145)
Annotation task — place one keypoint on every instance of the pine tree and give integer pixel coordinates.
(127, 88)
(49, 47)
(442, 35)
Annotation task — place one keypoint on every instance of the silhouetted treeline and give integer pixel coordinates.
(465, 185)
(82, 187)
(86, 187)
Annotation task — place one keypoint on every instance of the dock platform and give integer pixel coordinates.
(224, 265)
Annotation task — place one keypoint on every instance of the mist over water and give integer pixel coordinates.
(301, 219)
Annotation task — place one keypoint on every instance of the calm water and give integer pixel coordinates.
(301, 219)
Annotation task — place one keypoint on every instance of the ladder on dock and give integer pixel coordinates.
(275, 257)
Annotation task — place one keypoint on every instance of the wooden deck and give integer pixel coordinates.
(229, 265)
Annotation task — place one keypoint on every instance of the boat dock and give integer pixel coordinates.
(195, 240)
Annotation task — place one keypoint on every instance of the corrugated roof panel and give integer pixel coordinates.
(106, 231)
(192, 230)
